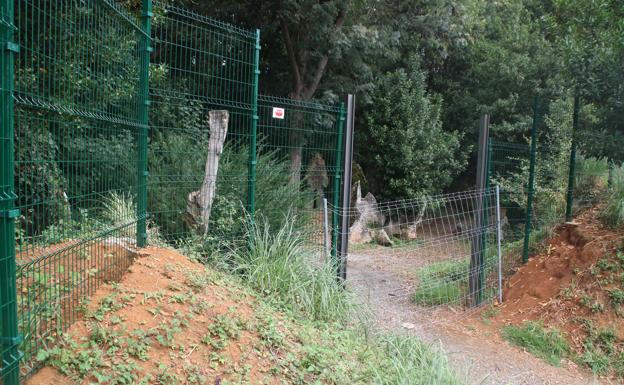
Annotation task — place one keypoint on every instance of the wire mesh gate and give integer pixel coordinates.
(445, 248)
(78, 179)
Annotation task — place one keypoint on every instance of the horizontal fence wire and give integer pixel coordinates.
(75, 143)
(434, 244)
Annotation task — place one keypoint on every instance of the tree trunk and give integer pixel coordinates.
(296, 156)
(199, 203)
(296, 139)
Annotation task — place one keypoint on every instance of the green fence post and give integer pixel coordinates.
(531, 184)
(572, 167)
(337, 177)
(486, 209)
(10, 338)
(146, 49)
(251, 187)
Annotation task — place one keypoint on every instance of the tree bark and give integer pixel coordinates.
(199, 203)
(304, 86)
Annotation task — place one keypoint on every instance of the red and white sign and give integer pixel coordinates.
(278, 113)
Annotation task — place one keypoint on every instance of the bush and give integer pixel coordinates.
(409, 154)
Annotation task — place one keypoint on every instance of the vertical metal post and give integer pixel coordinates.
(572, 167)
(346, 185)
(498, 245)
(531, 184)
(336, 190)
(143, 107)
(251, 182)
(9, 336)
(477, 242)
(326, 229)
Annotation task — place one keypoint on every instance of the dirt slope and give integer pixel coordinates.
(576, 285)
(172, 321)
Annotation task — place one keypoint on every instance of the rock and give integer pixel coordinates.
(382, 238)
(359, 233)
(392, 228)
(408, 325)
(366, 216)
(409, 233)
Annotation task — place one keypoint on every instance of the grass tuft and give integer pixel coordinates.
(278, 264)
(441, 283)
(612, 213)
(547, 344)
(408, 359)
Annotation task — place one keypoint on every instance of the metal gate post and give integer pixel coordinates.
(146, 49)
(531, 184)
(572, 167)
(336, 189)
(346, 186)
(9, 334)
(477, 241)
(251, 178)
(498, 246)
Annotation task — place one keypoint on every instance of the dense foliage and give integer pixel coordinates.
(476, 56)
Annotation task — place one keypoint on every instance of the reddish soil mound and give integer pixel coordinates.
(532, 292)
(169, 320)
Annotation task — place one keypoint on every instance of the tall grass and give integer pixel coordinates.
(278, 264)
(612, 213)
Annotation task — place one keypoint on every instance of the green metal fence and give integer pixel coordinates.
(85, 180)
(304, 141)
(79, 122)
(543, 185)
(199, 65)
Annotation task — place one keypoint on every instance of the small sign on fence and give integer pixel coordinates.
(278, 113)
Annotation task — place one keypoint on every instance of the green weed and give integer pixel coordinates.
(441, 283)
(547, 344)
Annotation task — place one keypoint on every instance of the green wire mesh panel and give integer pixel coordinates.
(76, 124)
(199, 65)
(298, 161)
(508, 165)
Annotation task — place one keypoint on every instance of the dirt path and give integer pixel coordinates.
(380, 281)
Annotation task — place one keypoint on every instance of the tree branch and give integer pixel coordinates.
(322, 64)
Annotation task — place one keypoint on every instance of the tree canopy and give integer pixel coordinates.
(474, 57)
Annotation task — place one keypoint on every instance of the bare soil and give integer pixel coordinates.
(157, 288)
(569, 284)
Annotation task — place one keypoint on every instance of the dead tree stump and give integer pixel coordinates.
(199, 203)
